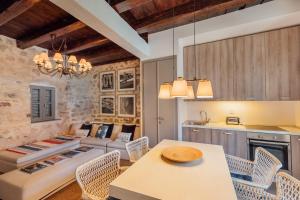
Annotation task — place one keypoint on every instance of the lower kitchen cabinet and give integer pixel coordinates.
(233, 142)
(200, 135)
(295, 143)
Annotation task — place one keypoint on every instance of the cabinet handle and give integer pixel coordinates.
(226, 133)
(196, 130)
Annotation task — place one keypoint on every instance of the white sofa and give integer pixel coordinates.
(11, 160)
(18, 185)
(107, 144)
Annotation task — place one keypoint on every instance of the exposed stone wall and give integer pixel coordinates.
(77, 100)
(95, 86)
(17, 72)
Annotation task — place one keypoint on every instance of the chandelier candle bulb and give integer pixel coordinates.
(58, 57)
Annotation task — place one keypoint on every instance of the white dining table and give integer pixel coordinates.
(153, 177)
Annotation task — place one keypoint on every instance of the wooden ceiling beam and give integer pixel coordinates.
(130, 4)
(87, 44)
(15, 10)
(186, 18)
(47, 36)
(105, 54)
(103, 62)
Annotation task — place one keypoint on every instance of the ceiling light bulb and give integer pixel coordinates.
(179, 88)
(204, 90)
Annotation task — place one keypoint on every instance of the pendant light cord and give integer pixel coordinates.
(173, 42)
(195, 60)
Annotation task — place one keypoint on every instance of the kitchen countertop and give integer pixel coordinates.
(292, 130)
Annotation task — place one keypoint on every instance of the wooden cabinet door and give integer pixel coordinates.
(283, 64)
(199, 135)
(233, 142)
(189, 63)
(215, 63)
(249, 67)
(295, 143)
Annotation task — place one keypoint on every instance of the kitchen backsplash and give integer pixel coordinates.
(250, 112)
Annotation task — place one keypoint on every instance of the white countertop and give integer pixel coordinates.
(151, 177)
(292, 130)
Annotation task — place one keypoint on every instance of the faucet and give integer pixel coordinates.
(205, 120)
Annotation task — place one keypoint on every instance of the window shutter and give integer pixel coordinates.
(42, 103)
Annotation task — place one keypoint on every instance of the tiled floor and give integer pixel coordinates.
(73, 191)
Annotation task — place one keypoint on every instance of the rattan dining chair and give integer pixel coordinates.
(287, 188)
(95, 176)
(262, 170)
(137, 148)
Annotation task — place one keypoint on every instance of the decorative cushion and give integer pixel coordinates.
(102, 131)
(86, 126)
(124, 137)
(110, 129)
(241, 176)
(129, 129)
(82, 133)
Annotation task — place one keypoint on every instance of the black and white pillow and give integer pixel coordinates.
(102, 131)
(124, 137)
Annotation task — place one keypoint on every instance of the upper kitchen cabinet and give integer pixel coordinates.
(249, 67)
(215, 62)
(189, 63)
(283, 64)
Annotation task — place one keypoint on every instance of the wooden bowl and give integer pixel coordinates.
(182, 154)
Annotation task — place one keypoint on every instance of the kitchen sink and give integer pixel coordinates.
(199, 123)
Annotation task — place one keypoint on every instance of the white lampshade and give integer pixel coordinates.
(44, 57)
(36, 59)
(179, 88)
(58, 57)
(204, 90)
(165, 91)
(190, 92)
(72, 60)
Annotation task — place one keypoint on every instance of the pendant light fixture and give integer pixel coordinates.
(184, 88)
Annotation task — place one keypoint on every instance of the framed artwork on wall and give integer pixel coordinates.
(126, 79)
(107, 81)
(126, 105)
(107, 105)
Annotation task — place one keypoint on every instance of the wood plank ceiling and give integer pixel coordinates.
(32, 22)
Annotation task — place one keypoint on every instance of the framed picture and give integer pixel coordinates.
(126, 79)
(126, 105)
(107, 105)
(107, 81)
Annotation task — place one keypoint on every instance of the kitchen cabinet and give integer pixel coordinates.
(215, 63)
(295, 145)
(199, 135)
(233, 142)
(262, 66)
(249, 67)
(283, 64)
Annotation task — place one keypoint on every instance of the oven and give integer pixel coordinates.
(276, 144)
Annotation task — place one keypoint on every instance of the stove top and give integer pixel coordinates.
(266, 128)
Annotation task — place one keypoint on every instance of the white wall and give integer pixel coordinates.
(271, 15)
